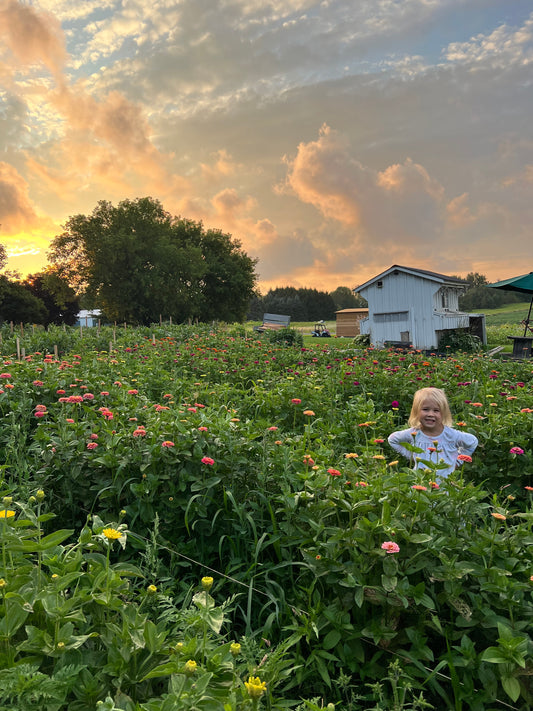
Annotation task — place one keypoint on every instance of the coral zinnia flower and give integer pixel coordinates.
(499, 516)
(167, 443)
(464, 458)
(334, 472)
(419, 487)
(208, 460)
(390, 547)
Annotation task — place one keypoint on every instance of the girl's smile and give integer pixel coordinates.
(431, 419)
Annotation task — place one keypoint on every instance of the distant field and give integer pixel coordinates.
(508, 314)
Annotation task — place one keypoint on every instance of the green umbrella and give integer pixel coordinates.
(523, 284)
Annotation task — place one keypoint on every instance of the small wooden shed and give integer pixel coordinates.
(348, 321)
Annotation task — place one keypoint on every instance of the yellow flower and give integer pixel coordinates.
(207, 583)
(111, 534)
(190, 666)
(7, 500)
(151, 589)
(6, 513)
(255, 687)
(235, 648)
(2, 583)
(351, 455)
(40, 495)
(378, 456)
(394, 463)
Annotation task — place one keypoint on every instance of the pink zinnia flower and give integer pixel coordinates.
(202, 429)
(88, 396)
(464, 458)
(92, 445)
(133, 392)
(419, 487)
(167, 443)
(5, 375)
(294, 401)
(516, 450)
(395, 403)
(390, 547)
(208, 461)
(38, 383)
(334, 472)
(139, 432)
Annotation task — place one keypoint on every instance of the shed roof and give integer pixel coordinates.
(352, 311)
(422, 273)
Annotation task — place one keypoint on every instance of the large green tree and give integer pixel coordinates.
(137, 263)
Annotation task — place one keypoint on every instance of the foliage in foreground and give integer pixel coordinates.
(268, 464)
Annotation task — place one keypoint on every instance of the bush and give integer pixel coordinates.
(459, 340)
(286, 337)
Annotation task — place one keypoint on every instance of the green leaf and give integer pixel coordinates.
(420, 538)
(332, 639)
(511, 687)
(14, 618)
(494, 656)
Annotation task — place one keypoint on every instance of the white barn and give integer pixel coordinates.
(413, 307)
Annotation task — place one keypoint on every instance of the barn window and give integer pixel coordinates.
(380, 285)
(391, 317)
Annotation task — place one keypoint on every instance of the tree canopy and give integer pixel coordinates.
(137, 263)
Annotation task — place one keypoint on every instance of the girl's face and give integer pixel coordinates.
(430, 418)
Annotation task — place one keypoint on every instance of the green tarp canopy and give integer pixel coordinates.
(524, 284)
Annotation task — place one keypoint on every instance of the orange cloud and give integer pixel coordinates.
(320, 175)
(16, 209)
(32, 36)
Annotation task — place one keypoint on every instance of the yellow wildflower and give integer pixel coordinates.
(151, 589)
(235, 648)
(207, 583)
(111, 534)
(6, 513)
(255, 687)
(190, 666)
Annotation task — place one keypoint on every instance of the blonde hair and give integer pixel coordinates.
(436, 396)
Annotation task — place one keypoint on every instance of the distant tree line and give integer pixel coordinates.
(41, 298)
(478, 296)
(304, 304)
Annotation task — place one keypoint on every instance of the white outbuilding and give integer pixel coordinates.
(414, 308)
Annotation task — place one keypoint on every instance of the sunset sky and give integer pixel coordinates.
(333, 138)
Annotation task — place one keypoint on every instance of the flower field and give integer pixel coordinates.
(203, 519)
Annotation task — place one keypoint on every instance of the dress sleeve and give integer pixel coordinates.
(466, 443)
(397, 439)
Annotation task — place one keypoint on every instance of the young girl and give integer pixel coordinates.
(430, 429)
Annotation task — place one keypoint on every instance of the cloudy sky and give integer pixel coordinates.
(333, 138)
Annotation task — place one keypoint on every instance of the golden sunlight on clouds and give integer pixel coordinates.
(32, 36)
